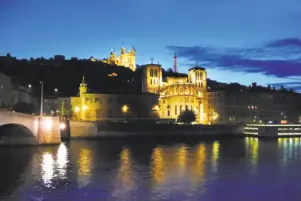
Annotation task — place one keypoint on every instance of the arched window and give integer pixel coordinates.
(176, 109)
(186, 90)
(181, 108)
(168, 113)
(186, 107)
(181, 91)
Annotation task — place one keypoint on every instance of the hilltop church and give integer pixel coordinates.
(126, 59)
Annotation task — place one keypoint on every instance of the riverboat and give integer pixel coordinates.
(273, 130)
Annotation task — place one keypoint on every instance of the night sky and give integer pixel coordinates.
(236, 40)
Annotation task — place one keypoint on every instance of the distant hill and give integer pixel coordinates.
(66, 76)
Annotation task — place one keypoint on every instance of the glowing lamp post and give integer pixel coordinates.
(124, 109)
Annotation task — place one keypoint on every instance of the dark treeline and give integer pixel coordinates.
(66, 75)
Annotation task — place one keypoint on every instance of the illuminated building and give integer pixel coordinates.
(235, 107)
(126, 59)
(96, 106)
(178, 93)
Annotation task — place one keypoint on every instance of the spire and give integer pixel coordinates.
(152, 60)
(83, 80)
(175, 68)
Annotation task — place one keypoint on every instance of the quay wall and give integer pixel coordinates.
(80, 129)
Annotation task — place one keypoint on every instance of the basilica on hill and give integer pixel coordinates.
(125, 59)
(161, 97)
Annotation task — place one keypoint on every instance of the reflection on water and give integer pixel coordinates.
(52, 169)
(85, 167)
(62, 161)
(157, 166)
(200, 160)
(124, 181)
(251, 148)
(215, 155)
(47, 168)
(181, 157)
(290, 149)
(114, 170)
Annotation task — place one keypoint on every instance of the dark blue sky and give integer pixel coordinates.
(236, 40)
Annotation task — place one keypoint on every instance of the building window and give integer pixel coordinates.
(176, 110)
(151, 81)
(152, 73)
(168, 113)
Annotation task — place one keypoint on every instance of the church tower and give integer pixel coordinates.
(152, 78)
(198, 77)
(83, 87)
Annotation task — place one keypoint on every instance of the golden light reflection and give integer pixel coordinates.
(85, 167)
(158, 166)
(125, 174)
(62, 160)
(182, 153)
(201, 158)
(252, 145)
(47, 168)
(215, 155)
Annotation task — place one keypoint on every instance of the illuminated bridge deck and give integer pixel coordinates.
(273, 130)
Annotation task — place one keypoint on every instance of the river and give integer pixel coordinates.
(236, 169)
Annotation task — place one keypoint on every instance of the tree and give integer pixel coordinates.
(187, 117)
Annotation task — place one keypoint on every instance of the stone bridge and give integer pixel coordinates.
(24, 129)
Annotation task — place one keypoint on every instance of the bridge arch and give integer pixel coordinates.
(13, 133)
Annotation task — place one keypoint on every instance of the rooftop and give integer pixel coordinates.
(196, 68)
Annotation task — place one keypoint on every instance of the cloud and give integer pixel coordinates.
(281, 58)
(286, 42)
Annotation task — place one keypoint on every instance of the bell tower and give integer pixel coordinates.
(83, 87)
(152, 78)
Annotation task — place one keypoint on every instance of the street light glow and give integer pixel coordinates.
(76, 109)
(125, 108)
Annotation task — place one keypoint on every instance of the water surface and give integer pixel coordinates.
(241, 169)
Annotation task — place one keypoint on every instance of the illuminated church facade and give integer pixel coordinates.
(177, 94)
(126, 58)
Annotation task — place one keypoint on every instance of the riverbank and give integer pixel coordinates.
(80, 129)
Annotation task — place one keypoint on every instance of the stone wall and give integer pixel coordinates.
(92, 129)
(81, 129)
(49, 130)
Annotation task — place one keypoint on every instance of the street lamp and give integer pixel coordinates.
(55, 90)
(42, 91)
